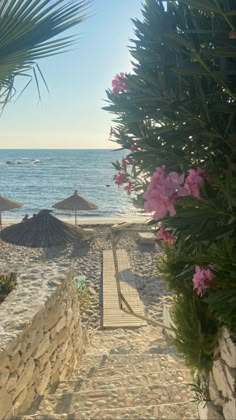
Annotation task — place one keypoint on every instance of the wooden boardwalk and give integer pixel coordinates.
(113, 316)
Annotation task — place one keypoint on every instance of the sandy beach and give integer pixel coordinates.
(86, 259)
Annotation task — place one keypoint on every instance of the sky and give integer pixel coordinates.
(71, 116)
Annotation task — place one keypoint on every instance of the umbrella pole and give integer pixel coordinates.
(75, 218)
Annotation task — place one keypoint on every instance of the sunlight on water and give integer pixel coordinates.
(40, 178)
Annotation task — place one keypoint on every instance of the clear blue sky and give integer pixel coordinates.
(71, 116)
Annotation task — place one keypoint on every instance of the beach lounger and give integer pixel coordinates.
(147, 238)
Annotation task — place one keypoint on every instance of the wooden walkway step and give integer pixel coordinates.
(113, 316)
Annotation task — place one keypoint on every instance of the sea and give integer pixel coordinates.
(41, 178)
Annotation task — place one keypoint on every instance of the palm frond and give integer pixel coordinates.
(30, 30)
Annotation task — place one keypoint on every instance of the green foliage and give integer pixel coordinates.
(223, 304)
(200, 387)
(27, 32)
(85, 298)
(196, 331)
(179, 109)
(7, 284)
(180, 101)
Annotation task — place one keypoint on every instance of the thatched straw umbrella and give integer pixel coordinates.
(6, 204)
(75, 202)
(41, 231)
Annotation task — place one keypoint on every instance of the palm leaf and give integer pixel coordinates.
(29, 31)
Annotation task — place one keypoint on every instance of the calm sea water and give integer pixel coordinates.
(40, 178)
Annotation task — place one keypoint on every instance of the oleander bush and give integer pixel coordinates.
(176, 115)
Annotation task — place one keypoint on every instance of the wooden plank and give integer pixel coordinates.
(113, 316)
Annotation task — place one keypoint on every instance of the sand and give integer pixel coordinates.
(86, 259)
(84, 220)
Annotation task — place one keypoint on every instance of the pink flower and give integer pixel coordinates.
(120, 179)
(129, 188)
(117, 84)
(123, 163)
(126, 161)
(194, 181)
(165, 236)
(202, 279)
(162, 193)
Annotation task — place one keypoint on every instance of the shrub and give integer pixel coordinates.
(7, 284)
(176, 114)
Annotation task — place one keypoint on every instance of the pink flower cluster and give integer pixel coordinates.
(120, 179)
(202, 279)
(162, 193)
(164, 190)
(165, 236)
(118, 85)
(194, 181)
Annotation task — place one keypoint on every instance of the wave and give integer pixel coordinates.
(22, 161)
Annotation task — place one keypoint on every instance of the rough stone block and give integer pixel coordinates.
(25, 378)
(215, 394)
(228, 350)
(53, 333)
(5, 403)
(219, 376)
(207, 411)
(69, 316)
(20, 399)
(31, 348)
(15, 348)
(54, 315)
(20, 369)
(231, 378)
(27, 402)
(15, 361)
(43, 346)
(12, 381)
(4, 375)
(44, 380)
(229, 410)
(62, 336)
(4, 361)
(42, 361)
(61, 324)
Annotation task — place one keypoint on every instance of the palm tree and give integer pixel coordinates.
(29, 31)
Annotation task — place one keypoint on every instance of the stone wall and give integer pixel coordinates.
(41, 339)
(222, 383)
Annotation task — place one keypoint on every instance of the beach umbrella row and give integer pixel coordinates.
(73, 203)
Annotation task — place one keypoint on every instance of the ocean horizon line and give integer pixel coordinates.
(34, 148)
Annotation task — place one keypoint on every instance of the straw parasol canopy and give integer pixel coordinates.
(75, 202)
(6, 204)
(41, 231)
